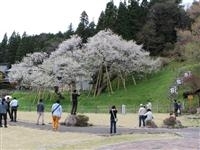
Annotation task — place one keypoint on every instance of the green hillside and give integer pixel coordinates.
(154, 87)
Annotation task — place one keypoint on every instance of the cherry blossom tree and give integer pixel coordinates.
(64, 62)
(109, 57)
(26, 72)
(105, 57)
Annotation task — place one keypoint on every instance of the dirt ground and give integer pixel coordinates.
(26, 135)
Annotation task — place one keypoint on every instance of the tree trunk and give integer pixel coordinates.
(98, 81)
(199, 98)
(108, 80)
(133, 78)
(104, 85)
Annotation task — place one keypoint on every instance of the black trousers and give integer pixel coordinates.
(8, 112)
(141, 120)
(13, 114)
(113, 126)
(74, 107)
(3, 116)
(176, 112)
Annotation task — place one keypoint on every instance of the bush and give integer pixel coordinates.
(192, 110)
(79, 120)
(151, 124)
(171, 121)
(82, 120)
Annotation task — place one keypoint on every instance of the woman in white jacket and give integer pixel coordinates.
(149, 115)
(56, 110)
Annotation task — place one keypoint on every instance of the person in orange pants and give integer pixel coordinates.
(56, 110)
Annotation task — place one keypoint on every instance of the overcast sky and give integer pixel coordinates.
(47, 16)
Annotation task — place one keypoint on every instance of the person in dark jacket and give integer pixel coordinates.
(74, 100)
(179, 108)
(175, 108)
(40, 111)
(3, 112)
(8, 108)
(113, 119)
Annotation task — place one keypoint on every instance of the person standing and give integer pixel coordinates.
(179, 108)
(8, 108)
(3, 112)
(56, 110)
(113, 119)
(141, 113)
(175, 108)
(40, 111)
(14, 106)
(149, 105)
(149, 118)
(74, 100)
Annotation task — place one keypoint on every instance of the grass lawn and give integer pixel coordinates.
(154, 87)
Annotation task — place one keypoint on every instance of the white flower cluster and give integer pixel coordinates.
(72, 61)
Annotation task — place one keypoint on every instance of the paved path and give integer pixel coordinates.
(98, 130)
(190, 141)
(190, 137)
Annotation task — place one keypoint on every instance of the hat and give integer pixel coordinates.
(141, 104)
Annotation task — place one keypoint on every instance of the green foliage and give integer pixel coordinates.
(191, 51)
(82, 29)
(17, 47)
(69, 32)
(3, 48)
(26, 46)
(110, 15)
(29, 99)
(161, 24)
(156, 31)
(122, 22)
(151, 23)
(13, 44)
(154, 87)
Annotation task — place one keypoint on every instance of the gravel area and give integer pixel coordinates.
(190, 137)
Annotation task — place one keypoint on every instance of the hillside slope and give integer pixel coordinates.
(154, 88)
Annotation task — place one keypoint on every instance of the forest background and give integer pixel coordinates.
(164, 28)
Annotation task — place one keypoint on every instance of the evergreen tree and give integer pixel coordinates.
(69, 32)
(47, 42)
(101, 22)
(13, 44)
(82, 27)
(25, 46)
(60, 35)
(91, 29)
(110, 16)
(3, 48)
(122, 23)
(136, 18)
(164, 17)
(144, 10)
